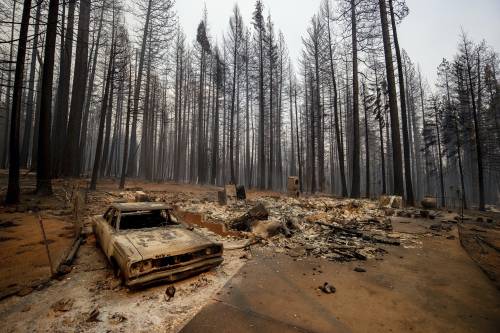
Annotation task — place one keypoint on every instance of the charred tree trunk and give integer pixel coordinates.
(367, 144)
(406, 145)
(215, 136)
(43, 174)
(61, 108)
(71, 164)
(233, 100)
(262, 157)
(132, 162)
(28, 125)
(5, 152)
(440, 155)
(299, 150)
(340, 148)
(13, 189)
(393, 104)
(355, 177)
(102, 119)
(82, 144)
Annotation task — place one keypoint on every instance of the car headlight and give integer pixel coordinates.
(141, 266)
(208, 251)
(147, 265)
(134, 268)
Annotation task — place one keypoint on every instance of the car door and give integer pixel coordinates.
(105, 227)
(109, 228)
(99, 225)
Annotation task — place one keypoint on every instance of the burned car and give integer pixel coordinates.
(145, 243)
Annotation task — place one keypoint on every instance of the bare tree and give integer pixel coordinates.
(393, 104)
(13, 189)
(71, 166)
(43, 174)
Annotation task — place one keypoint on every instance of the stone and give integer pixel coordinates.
(327, 288)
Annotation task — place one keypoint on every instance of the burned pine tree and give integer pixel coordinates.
(234, 44)
(71, 165)
(43, 174)
(259, 25)
(393, 105)
(205, 50)
(13, 189)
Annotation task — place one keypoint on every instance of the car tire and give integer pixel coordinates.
(117, 271)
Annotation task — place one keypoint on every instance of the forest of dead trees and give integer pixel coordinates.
(81, 97)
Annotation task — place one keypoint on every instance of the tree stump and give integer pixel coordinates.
(222, 197)
(240, 192)
(293, 186)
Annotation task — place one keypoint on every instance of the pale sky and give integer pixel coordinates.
(429, 33)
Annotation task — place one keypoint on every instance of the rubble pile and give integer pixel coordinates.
(340, 241)
(330, 228)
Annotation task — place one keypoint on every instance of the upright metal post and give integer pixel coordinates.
(46, 244)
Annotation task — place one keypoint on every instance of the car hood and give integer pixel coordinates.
(161, 242)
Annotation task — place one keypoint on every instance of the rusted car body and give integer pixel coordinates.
(145, 243)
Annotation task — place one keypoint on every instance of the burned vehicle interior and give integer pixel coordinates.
(140, 219)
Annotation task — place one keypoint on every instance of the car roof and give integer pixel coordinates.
(135, 206)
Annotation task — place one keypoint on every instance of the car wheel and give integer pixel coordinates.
(117, 271)
(119, 275)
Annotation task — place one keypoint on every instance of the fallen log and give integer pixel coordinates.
(244, 222)
(74, 250)
(346, 230)
(64, 266)
(349, 254)
(382, 240)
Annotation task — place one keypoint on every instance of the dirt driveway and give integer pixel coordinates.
(435, 287)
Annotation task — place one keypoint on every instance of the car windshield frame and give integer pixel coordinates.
(169, 219)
